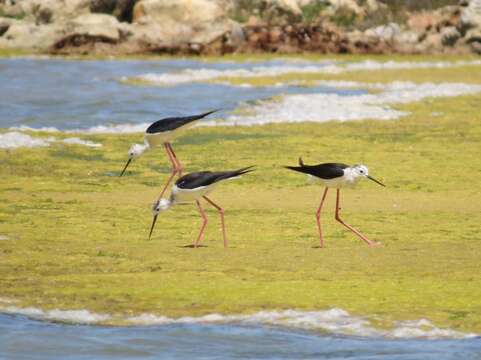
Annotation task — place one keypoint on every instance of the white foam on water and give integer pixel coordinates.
(321, 67)
(42, 129)
(325, 107)
(15, 139)
(98, 129)
(78, 141)
(333, 321)
(317, 107)
(72, 316)
(202, 75)
(113, 129)
(427, 330)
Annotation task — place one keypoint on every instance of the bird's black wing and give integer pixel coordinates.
(324, 171)
(173, 123)
(205, 178)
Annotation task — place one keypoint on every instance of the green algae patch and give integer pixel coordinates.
(77, 234)
(469, 73)
(16, 52)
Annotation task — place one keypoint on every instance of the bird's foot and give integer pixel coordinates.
(375, 244)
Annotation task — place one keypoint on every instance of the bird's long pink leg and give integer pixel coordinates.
(221, 212)
(318, 217)
(178, 164)
(338, 218)
(204, 223)
(174, 171)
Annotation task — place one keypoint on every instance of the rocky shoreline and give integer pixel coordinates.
(217, 27)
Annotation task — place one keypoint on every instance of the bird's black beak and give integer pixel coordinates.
(376, 181)
(125, 168)
(153, 225)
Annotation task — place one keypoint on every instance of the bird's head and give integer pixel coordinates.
(157, 208)
(134, 152)
(362, 171)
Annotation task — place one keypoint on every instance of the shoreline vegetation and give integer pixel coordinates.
(74, 235)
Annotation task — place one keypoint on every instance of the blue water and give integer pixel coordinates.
(22, 338)
(69, 94)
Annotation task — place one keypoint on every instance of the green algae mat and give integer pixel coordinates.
(75, 235)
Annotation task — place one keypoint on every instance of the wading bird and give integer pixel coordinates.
(193, 187)
(334, 175)
(162, 132)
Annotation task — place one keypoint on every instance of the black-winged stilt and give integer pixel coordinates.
(193, 187)
(162, 132)
(337, 176)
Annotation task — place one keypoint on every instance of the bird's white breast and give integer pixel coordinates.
(188, 195)
(349, 179)
(159, 138)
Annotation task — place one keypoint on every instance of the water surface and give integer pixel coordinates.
(70, 94)
(23, 338)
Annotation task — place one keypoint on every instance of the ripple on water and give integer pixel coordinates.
(89, 97)
(332, 321)
(22, 338)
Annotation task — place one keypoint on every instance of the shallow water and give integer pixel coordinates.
(68, 94)
(23, 338)
(106, 96)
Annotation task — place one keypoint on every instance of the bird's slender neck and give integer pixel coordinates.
(144, 147)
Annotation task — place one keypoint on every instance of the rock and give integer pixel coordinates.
(168, 13)
(3, 28)
(471, 14)
(95, 25)
(183, 23)
(431, 44)
(356, 35)
(385, 33)
(407, 37)
(286, 6)
(49, 11)
(103, 6)
(449, 36)
(274, 12)
(473, 40)
(423, 21)
(121, 9)
(473, 35)
(5, 24)
(22, 35)
(11, 10)
(372, 6)
(350, 5)
(476, 47)
(87, 32)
